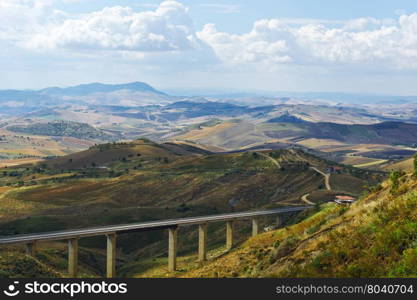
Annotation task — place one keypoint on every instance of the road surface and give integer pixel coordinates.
(273, 160)
(304, 198)
(326, 178)
(77, 233)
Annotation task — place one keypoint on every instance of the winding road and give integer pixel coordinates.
(326, 178)
(304, 198)
(273, 160)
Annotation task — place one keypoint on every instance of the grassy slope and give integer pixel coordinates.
(375, 237)
(241, 134)
(50, 260)
(405, 165)
(63, 128)
(18, 265)
(21, 148)
(186, 185)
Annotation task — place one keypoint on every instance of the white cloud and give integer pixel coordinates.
(382, 43)
(167, 32)
(21, 17)
(168, 28)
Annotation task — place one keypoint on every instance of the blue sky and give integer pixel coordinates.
(298, 45)
(238, 15)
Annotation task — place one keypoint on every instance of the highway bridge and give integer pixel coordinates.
(111, 232)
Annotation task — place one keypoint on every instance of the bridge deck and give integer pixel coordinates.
(153, 225)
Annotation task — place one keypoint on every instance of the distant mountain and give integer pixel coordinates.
(21, 101)
(86, 89)
(128, 94)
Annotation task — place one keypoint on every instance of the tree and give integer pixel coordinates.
(415, 166)
(394, 177)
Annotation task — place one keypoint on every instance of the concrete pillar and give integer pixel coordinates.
(172, 249)
(255, 226)
(202, 242)
(111, 255)
(229, 234)
(31, 249)
(73, 258)
(280, 221)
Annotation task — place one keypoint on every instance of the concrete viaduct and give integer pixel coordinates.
(72, 236)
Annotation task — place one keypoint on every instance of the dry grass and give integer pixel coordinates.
(371, 163)
(206, 131)
(320, 143)
(404, 165)
(331, 243)
(18, 162)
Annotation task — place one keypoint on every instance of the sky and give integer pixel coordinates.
(265, 45)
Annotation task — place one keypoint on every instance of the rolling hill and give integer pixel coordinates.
(63, 128)
(405, 165)
(142, 180)
(374, 237)
(290, 128)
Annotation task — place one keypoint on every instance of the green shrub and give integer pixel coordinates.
(286, 247)
(395, 182)
(415, 166)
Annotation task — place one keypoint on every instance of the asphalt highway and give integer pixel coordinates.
(153, 225)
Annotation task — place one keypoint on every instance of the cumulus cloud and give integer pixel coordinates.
(362, 41)
(22, 17)
(168, 28)
(261, 44)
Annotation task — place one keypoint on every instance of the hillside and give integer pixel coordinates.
(63, 128)
(133, 110)
(242, 133)
(405, 165)
(21, 148)
(139, 152)
(142, 180)
(390, 133)
(375, 237)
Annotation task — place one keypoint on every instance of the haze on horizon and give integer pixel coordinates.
(270, 45)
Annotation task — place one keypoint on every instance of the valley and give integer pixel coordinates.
(271, 140)
(71, 119)
(140, 181)
(97, 155)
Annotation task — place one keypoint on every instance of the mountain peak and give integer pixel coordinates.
(96, 87)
